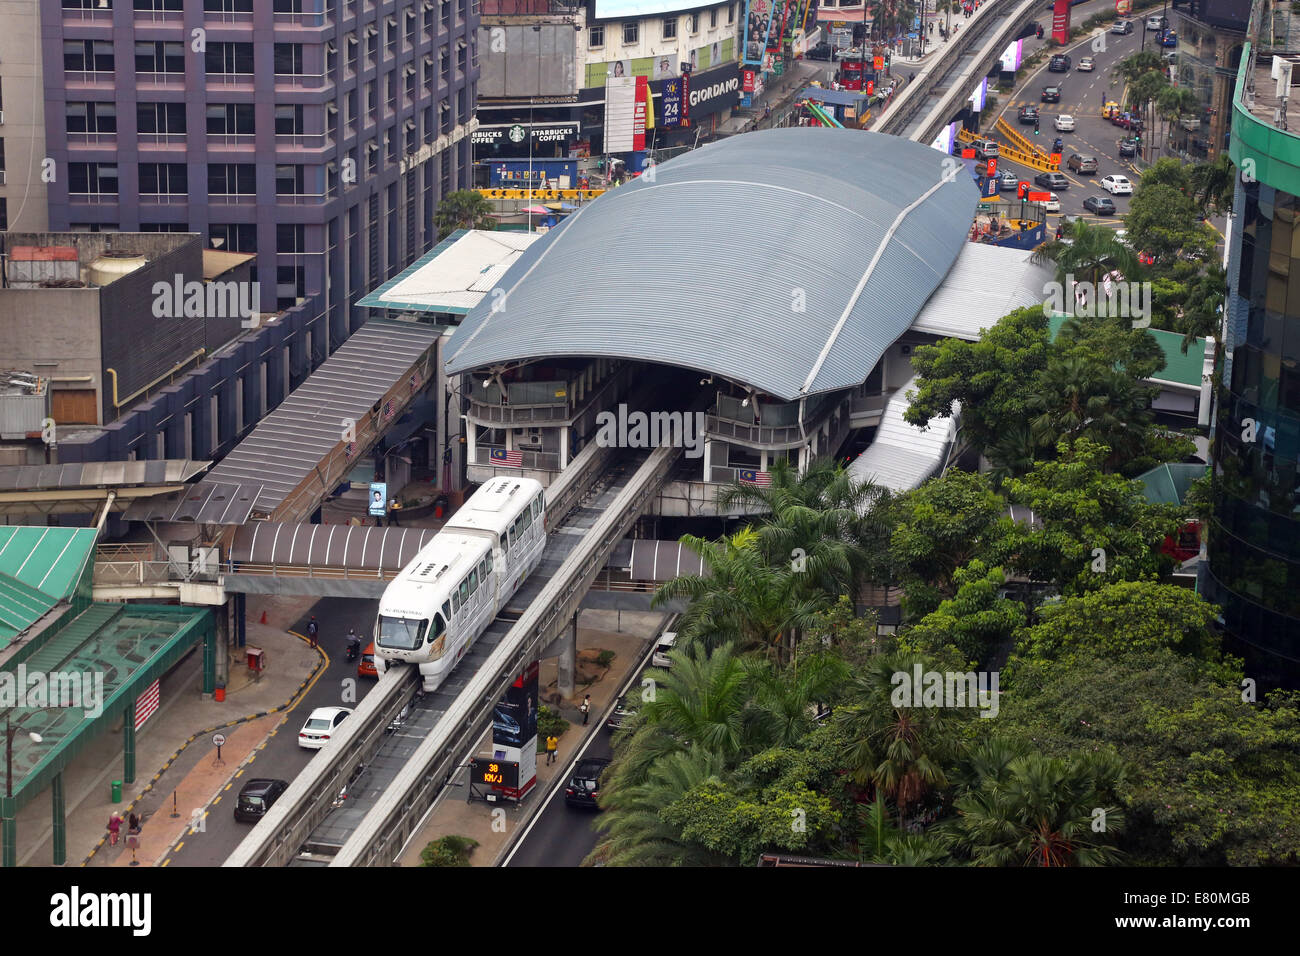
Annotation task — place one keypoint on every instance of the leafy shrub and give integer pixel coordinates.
(448, 851)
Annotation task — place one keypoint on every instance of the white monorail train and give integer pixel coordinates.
(440, 603)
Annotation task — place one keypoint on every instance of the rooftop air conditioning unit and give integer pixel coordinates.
(531, 438)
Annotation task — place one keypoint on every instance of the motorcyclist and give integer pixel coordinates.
(354, 644)
(1058, 144)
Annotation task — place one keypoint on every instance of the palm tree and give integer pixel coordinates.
(1143, 93)
(1214, 184)
(1035, 810)
(1079, 395)
(635, 834)
(463, 209)
(742, 598)
(898, 749)
(1175, 102)
(1094, 253)
(882, 842)
(786, 699)
(1131, 67)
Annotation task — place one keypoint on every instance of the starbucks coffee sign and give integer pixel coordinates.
(517, 134)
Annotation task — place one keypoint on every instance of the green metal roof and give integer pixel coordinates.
(1179, 368)
(116, 649)
(39, 567)
(1270, 154)
(1168, 484)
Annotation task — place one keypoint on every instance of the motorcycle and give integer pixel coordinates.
(354, 647)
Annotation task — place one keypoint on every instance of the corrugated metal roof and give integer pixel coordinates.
(207, 502)
(903, 456)
(786, 259)
(985, 283)
(96, 474)
(455, 275)
(356, 547)
(292, 440)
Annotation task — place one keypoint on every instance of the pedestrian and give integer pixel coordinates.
(133, 837)
(313, 629)
(552, 743)
(114, 828)
(586, 709)
(394, 506)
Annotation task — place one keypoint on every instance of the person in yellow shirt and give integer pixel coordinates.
(552, 743)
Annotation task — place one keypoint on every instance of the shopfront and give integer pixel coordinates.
(691, 106)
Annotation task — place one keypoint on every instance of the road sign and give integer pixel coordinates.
(218, 740)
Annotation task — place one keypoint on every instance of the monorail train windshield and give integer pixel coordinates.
(401, 633)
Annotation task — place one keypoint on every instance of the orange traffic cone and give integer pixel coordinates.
(263, 621)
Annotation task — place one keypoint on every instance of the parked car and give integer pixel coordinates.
(1082, 163)
(584, 786)
(1117, 185)
(623, 712)
(665, 644)
(1051, 94)
(822, 51)
(1060, 63)
(320, 726)
(1007, 181)
(1064, 123)
(1086, 65)
(256, 797)
(1028, 115)
(1128, 146)
(1101, 205)
(1052, 181)
(1122, 27)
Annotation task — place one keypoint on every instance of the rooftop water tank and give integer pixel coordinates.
(111, 266)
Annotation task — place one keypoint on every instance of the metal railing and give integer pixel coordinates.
(716, 427)
(383, 832)
(311, 571)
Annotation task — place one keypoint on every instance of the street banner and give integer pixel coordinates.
(1061, 22)
(758, 20)
(671, 102)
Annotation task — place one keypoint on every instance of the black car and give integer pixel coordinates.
(584, 786)
(1101, 205)
(256, 798)
(1128, 147)
(1060, 63)
(623, 712)
(1052, 181)
(1051, 94)
(822, 51)
(1028, 115)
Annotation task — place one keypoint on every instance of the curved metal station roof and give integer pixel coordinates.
(786, 259)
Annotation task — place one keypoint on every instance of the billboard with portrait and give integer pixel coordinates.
(378, 499)
(758, 21)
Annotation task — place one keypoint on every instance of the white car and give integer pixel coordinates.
(1064, 123)
(1122, 235)
(1053, 204)
(1086, 65)
(1117, 185)
(320, 726)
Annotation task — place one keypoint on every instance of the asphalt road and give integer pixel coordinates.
(561, 835)
(283, 758)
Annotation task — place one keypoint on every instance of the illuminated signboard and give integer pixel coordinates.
(1012, 57)
(494, 773)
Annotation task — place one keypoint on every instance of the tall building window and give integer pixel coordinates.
(156, 56)
(288, 120)
(233, 237)
(289, 181)
(290, 237)
(731, 13)
(713, 18)
(93, 117)
(232, 179)
(229, 58)
(88, 56)
(163, 178)
(95, 179)
(228, 118)
(631, 32)
(160, 117)
(213, 6)
(670, 29)
(288, 59)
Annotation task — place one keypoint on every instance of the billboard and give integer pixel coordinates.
(980, 95)
(776, 29)
(670, 102)
(947, 136)
(378, 499)
(1061, 22)
(1012, 56)
(758, 21)
(514, 720)
(640, 118)
(620, 114)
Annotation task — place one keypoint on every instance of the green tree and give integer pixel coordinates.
(448, 851)
(1092, 253)
(986, 377)
(1161, 220)
(976, 620)
(463, 209)
(1033, 810)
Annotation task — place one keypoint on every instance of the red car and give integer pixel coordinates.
(366, 666)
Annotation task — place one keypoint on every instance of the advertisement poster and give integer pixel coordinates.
(514, 720)
(686, 99)
(378, 499)
(665, 66)
(758, 20)
(671, 102)
(1061, 22)
(776, 29)
(639, 118)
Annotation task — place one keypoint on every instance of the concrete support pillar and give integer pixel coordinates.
(567, 665)
(128, 744)
(223, 642)
(564, 448)
(209, 660)
(59, 821)
(708, 461)
(471, 439)
(241, 620)
(762, 460)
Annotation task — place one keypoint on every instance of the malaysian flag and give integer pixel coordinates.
(499, 456)
(146, 704)
(388, 410)
(748, 477)
(415, 381)
(350, 449)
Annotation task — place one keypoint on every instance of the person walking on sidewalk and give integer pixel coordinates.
(313, 629)
(114, 828)
(586, 709)
(133, 837)
(552, 743)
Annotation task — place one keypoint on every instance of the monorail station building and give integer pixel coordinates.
(775, 304)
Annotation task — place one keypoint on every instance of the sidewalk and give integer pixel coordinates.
(453, 815)
(174, 751)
